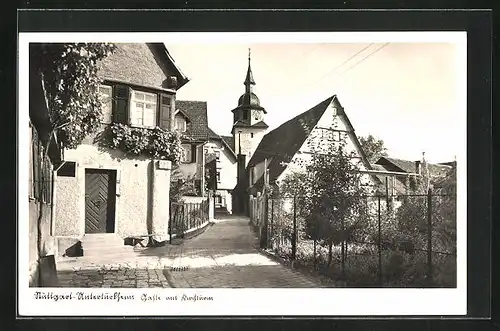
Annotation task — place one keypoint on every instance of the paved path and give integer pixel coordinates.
(224, 256)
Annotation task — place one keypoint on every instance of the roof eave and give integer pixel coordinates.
(183, 78)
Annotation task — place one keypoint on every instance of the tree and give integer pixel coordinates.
(69, 80)
(374, 148)
(332, 193)
(69, 73)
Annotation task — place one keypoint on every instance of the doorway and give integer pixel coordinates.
(100, 198)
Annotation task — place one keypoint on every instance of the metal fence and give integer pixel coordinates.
(399, 241)
(186, 216)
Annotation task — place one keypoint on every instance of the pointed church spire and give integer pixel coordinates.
(249, 78)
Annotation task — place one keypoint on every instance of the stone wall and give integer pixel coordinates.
(48, 247)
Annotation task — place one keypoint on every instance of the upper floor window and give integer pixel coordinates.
(139, 108)
(217, 155)
(180, 123)
(143, 109)
(165, 108)
(218, 176)
(106, 95)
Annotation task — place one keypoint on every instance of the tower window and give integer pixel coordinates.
(251, 135)
(245, 114)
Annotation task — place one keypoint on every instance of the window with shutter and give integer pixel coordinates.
(106, 94)
(121, 104)
(143, 109)
(165, 107)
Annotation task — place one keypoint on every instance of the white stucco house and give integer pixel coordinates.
(102, 192)
(221, 163)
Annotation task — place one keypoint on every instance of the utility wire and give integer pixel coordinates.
(340, 65)
(363, 59)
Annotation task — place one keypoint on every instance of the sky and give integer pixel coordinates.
(403, 93)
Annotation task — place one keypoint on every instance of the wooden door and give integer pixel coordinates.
(100, 189)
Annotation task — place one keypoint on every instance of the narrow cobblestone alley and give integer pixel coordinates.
(224, 256)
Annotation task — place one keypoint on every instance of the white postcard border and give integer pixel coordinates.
(227, 302)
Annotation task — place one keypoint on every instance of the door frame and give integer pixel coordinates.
(83, 171)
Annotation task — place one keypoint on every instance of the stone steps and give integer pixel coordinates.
(103, 244)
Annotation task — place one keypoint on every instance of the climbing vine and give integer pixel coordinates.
(70, 80)
(155, 143)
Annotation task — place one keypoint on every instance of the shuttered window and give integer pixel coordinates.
(121, 104)
(106, 95)
(166, 102)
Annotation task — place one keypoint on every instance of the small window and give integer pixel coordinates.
(251, 134)
(245, 114)
(217, 155)
(218, 176)
(186, 156)
(106, 95)
(180, 123)
(68, 169)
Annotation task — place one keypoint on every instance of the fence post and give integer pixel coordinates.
(263, 239)
(429, 235)
(294, 234)
(272, 223)
(379, 243)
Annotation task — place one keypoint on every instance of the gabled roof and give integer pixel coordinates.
(229, 141)
(180, 111)
(399, 185)
(225, 140)
(394, 164)
(196, 111)
(281, 144)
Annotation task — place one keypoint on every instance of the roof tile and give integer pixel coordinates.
(197, 113)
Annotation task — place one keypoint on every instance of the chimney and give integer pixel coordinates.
(418, 169)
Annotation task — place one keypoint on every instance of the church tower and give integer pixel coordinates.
(249, 126)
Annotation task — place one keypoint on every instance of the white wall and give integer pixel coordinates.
(133, 198)
(329, 120)
(227, 165)
(248, 143)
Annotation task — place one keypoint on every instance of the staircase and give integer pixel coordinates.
(103, 244)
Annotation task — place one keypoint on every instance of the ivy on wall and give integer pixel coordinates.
(70, 81)
(155, 143)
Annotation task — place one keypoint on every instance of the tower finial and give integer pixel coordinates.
(249, 78)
